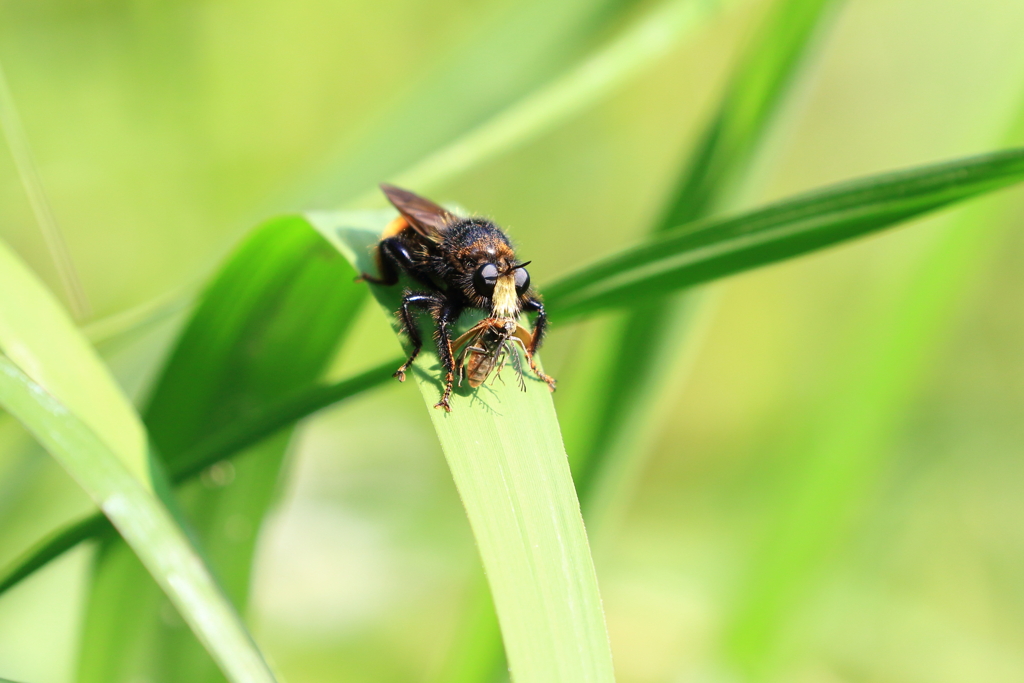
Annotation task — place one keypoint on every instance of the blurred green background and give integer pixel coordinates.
(846, 507)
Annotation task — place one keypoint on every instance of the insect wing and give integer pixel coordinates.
(423, 215)
(524, 337)
(471, 335)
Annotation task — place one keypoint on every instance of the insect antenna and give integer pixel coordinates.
(516, 265)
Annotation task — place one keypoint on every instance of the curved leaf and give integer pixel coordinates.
(38, 336)
(702, 252)
(264, 328)
(855, 419)
(505, 452)
(603, 427)
(525, 41)
(754, 94)
(139, 518)
(720, 247)
(639, 46)
(647, 340)
(227, 442)
(57, 387)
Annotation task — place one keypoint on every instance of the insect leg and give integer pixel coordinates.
(407, 320)
(393, 257)
(540, 326)
(445, 315)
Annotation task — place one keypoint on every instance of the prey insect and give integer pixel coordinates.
(487, 344)
(459, 264)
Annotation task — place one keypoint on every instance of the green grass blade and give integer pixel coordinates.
(946, 183)
(36, 494)
(284, 296)
(478, 653)
(247, 429)
(645, 342)
(721, 247)
(256, 426)
(636, 358)
(122, 326)
(37, 335)
(505, 452)
(51, 547)
(265, 328)
(847, 453)
(58, 388)
(572, 93)
(140, 518)
(510, 54)
(755, 91)
(24, 160)
(228, 442)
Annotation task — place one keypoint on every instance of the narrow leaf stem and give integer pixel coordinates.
(24, 161)
(716, 248)
(650, 39)
(141, 519)
(224, 444)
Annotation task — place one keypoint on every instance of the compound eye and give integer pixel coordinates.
(485, 278)
(522, 280)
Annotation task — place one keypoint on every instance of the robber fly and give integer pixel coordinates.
(459, 264)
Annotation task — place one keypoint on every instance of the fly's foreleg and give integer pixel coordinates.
(445, 315)
(392, 258)
(407, 321)
(540, 327)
